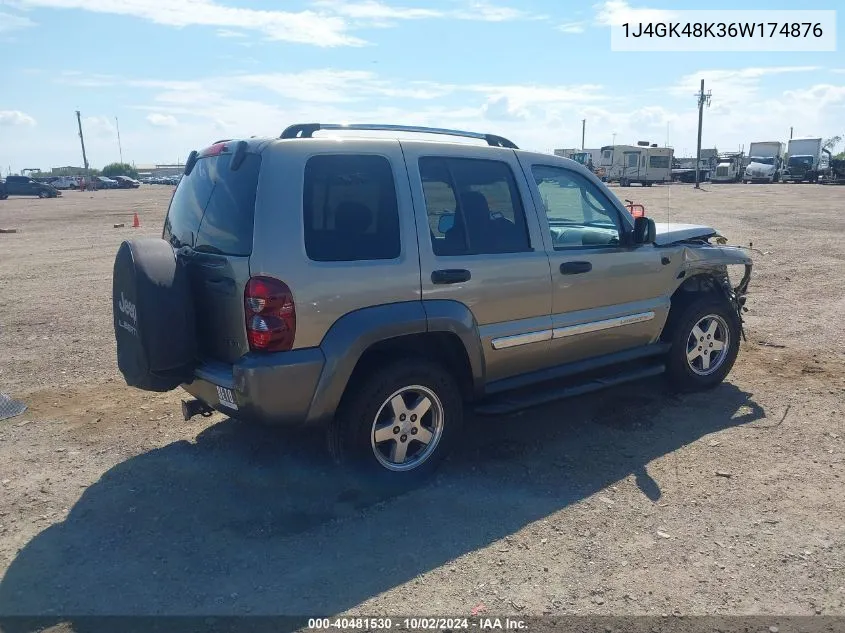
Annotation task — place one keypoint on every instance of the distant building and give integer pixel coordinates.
(158, 171)
(67, 171)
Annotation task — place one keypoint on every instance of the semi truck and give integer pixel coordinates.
(644, 163)
(804, 156)
(729, 167)
(765, 162)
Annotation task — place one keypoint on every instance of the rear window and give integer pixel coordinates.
(350, 208)
(213, 208)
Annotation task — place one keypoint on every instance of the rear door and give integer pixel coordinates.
(210, 223)
(480, 245)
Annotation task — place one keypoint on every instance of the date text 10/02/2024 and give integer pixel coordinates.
(417, 624)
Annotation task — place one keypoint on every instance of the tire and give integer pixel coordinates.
(370, 406)
(699, 372)
(153, 312)
(43, 194)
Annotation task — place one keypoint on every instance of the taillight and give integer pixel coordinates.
(270, 315)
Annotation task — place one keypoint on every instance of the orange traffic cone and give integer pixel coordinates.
(136, 222)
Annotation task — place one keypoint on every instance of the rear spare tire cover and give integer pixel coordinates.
(154, 323)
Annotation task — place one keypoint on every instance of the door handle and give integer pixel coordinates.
(450, 276)
(575, 268)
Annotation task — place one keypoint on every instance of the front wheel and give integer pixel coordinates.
(43, 194)
(705, 344)
(396, 425)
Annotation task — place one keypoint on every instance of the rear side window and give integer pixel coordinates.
(350, 208)
(474, 207)
(213, 209)
(658, 162)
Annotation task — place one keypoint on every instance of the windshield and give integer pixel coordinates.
(763, 160)
(800, 160)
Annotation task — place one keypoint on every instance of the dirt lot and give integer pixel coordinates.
(607, 504)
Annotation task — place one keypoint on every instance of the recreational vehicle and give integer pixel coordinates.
(645, 164)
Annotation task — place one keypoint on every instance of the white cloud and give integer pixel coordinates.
(307, 27)
(229, 33)
(374, 10)
(616, 12)
(730, 87)
(327, 24)
(487, 12)
(101, 126)
(162, 120)
(10, 22)
(572, 27)
(339, 86)
(15, 117)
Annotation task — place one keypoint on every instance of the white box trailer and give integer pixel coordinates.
(643, 164)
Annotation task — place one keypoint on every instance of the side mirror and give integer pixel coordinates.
(645, 231)
(446, 222)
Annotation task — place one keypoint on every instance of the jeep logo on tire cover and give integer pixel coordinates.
(128, 308)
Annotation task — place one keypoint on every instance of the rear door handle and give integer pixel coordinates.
(575, 268)
(450, 276)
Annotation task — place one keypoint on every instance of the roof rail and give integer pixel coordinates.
(306, 130)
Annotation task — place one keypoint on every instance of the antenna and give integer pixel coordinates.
(119, 148)
(703, 99)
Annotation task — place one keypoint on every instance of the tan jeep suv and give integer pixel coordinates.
(383, 286)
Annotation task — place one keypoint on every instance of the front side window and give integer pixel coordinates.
(579, 214)
(474, 207)
(350, 208)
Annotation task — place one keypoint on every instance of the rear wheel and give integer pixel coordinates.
(396, 425)
(705, 343)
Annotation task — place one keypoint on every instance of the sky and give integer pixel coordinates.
(177, 75)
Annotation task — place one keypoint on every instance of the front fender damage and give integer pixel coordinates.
(712, 261)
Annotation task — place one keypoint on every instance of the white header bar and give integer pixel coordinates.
(725, 31)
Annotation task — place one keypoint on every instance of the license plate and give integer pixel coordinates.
(226, 397)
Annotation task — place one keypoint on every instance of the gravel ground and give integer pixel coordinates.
(627, 502)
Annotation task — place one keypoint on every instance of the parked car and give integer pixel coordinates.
(409, 279)
(26, 186)
(102, 182)
(125, 182)
(65, 182)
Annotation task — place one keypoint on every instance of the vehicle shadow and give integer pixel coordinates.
(248, 520)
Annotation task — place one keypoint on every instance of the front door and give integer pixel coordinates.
(480, 245)
(608, 296)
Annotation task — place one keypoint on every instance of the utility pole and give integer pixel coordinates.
(119, 148)
(790, 132)
(583, 132)
(82, 142)
(703, 99)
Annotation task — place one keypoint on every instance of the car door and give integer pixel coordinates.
(480, 245)
(608, 296)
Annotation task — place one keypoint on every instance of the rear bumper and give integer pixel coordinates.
(267, 388)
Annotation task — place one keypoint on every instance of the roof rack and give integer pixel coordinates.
(306, 130)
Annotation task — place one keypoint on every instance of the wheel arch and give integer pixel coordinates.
(364, 339)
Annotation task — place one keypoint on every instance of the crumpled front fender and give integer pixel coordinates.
(715, 260)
